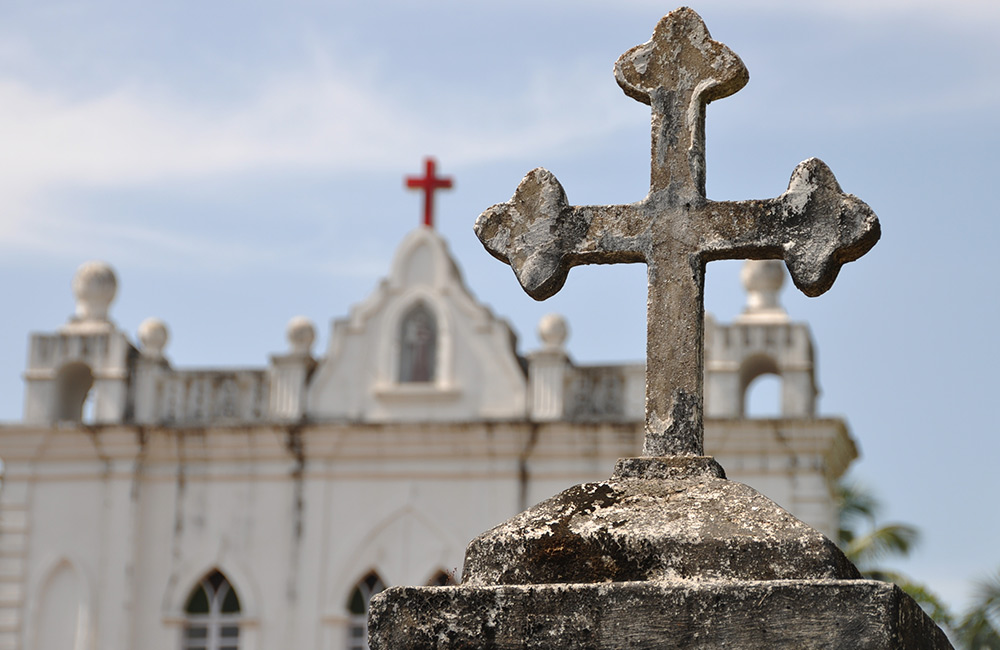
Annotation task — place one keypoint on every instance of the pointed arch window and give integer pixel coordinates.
(212, 615)
(357, 606)
(418, 343)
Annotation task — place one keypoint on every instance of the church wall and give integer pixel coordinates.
(402, 500)
(77, 511)
(38, 402)
(794, 462)
(297, 480)
(738, 353)
(227, 500)
(566, 454)
(474, 371)
(337, 389)
(64, 568)
(479, 377)
(295, 515)
(61, 619)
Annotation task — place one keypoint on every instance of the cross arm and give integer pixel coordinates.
(542, 236)
(814, 226)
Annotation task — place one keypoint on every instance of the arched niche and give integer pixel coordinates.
(753, 368)
(60, 618)
(418, 337)
(73, 383)
(763, 397)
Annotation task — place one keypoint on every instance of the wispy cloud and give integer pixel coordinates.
(956, 11)
(981, 12)
(329, 115)
(321, 119)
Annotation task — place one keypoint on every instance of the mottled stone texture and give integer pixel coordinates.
(828, 614)
(814, 226)
(655, 519)
(666, 553)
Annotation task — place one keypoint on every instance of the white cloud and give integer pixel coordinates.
(131, 136)
(955, 11)
(327, 116)
(320, 119)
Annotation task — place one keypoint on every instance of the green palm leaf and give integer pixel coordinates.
(885, 541)
(980, 627)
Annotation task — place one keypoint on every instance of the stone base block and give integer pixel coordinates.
(801, 614)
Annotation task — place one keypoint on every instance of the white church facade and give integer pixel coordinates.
(148, 506)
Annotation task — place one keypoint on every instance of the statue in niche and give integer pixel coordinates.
(417, 345)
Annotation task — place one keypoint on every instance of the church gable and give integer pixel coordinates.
(420, 347)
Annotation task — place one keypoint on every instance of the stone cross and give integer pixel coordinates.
(429, 183)
(814, 226)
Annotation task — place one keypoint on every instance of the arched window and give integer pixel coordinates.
(763, 397)
(418, 345)
(73, 383)
(760, 371)
(212, 615)
(357, 606)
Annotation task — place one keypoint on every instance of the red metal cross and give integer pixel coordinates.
(429, 183)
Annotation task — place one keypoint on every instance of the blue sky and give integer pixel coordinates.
(241, 162)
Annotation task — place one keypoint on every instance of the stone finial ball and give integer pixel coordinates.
(300, 333)
(553, 330)
(766, 276)
(94, 287)
(153, 336)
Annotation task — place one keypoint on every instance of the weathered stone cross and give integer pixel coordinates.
(676, 230)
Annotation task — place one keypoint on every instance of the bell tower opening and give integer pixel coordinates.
(760, 387)
(73, 383)
(763, 397)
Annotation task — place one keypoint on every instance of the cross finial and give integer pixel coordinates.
(429, 183)
(676, 230)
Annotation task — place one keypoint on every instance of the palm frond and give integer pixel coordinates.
(858, 512)
(928, 601)
(887, 540)
(987, 594)
(980, 627)
(856, 504)
(976, 632)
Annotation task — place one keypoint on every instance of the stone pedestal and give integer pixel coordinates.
(799, 614)
(665, 554)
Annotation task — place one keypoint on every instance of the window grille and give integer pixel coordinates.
(212, 615)
(357, 606)
(418, 345)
